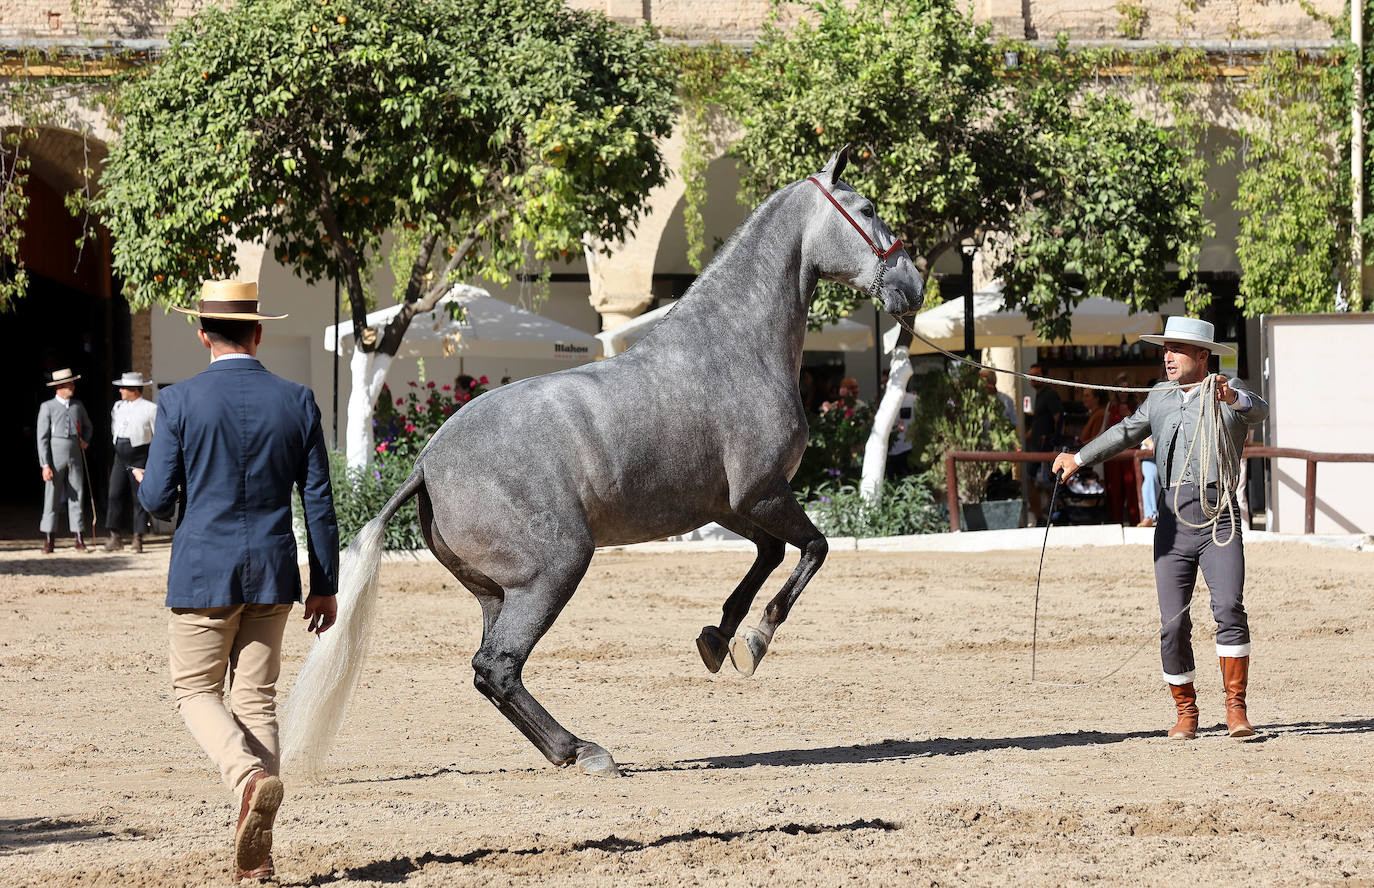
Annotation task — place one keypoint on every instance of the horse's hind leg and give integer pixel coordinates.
(489, 595)
(713, 643)
(526, 615)
(779, 514)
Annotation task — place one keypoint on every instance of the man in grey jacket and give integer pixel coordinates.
(64, 431)
(1170, 415)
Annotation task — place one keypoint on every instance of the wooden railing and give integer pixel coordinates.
(1312, 457)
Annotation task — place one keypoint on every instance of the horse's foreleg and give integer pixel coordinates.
(713, 642)
(524, 617)
(779, 514)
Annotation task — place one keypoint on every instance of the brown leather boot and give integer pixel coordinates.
(264, 870)
(1235, 675)
(47, 544)
(1185, 701)
(138, 543)
(80, 544)
(114, 543)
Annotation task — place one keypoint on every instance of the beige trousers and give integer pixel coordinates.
(243, 643)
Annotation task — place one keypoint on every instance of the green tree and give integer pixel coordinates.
(481, 131)
(954, 143)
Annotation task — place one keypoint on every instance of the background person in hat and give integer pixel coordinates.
(1171, 416)
(132, 419)
(64, 432)
(239, 440)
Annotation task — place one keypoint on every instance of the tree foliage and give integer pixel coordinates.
(953, 143)
(489, 130)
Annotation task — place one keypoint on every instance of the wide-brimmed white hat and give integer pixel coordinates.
(229, 301)
(132, 379)
(1193, 331)
(63, 375)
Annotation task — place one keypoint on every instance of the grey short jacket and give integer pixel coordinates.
(1162, 417)
(57, 421)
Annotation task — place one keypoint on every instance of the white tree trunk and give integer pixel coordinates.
(368, 371)
(875, 452)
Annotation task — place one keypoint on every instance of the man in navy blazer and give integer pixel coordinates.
(239, 440)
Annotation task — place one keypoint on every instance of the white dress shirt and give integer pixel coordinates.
(133, 420)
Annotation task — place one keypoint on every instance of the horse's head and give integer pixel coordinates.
(848, 243)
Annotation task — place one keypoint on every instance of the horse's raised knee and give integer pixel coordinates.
(494, 676)
(816, 548)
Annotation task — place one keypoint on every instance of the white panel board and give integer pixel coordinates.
(1319, 379)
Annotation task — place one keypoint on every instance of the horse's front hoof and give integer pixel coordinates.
(713, 647)
(747, 649)
(594, 760)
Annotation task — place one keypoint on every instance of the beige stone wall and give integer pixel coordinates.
(92, 19)
(1280, 21)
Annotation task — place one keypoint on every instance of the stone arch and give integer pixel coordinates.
(73, 315)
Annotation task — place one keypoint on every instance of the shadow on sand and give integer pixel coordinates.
(894, 750)
(399, 869)
(23, 833)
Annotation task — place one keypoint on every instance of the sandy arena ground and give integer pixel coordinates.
(892, 737)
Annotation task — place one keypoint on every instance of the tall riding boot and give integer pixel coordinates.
(47, 544)
(1185, 701)
(80, 543)
(114, 543)
(138, 543)
(1235, 675)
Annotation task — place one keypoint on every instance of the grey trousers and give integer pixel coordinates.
(1179, 551)
(70, 478)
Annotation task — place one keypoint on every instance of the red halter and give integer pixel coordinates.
(877, 251)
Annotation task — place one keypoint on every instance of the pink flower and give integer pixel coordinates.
(447, 410)
(447, 387)
(381, 448)
(409, 427)
(848, 413)
(400, 401)
(431, 384)
(482, 381)
(411, 384)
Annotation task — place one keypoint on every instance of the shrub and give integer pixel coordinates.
(904, 507)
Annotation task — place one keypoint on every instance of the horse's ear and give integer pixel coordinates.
(837, 163)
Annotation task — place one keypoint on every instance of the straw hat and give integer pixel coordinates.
(132, 379)
(229, 301)
(63, 376)
(1193, 331)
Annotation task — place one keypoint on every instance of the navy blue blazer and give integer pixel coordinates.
(240, 440)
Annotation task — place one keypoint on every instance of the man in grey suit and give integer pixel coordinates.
(64, 431)
(1170, 415)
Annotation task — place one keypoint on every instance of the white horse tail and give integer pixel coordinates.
(312, 714)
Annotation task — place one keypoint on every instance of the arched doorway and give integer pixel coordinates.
(73, 315)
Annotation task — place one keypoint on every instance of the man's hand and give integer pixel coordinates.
(1065, 463)
(85, 444)
(48, 473)
(137, 473)
(1225, 393)
(321, 611)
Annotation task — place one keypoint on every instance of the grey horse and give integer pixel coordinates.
(700, 421)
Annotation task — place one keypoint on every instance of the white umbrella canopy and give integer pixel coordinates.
(1096, 321)
(844, 335)
(490, 329)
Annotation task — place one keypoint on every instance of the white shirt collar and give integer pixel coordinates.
(230, 356)
(66, 402)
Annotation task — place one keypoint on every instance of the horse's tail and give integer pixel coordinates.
(312, 714)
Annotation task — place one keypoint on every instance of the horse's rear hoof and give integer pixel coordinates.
(747, 649)
(713, 647)
(594, 760)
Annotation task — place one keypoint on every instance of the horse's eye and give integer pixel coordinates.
(867, 210)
